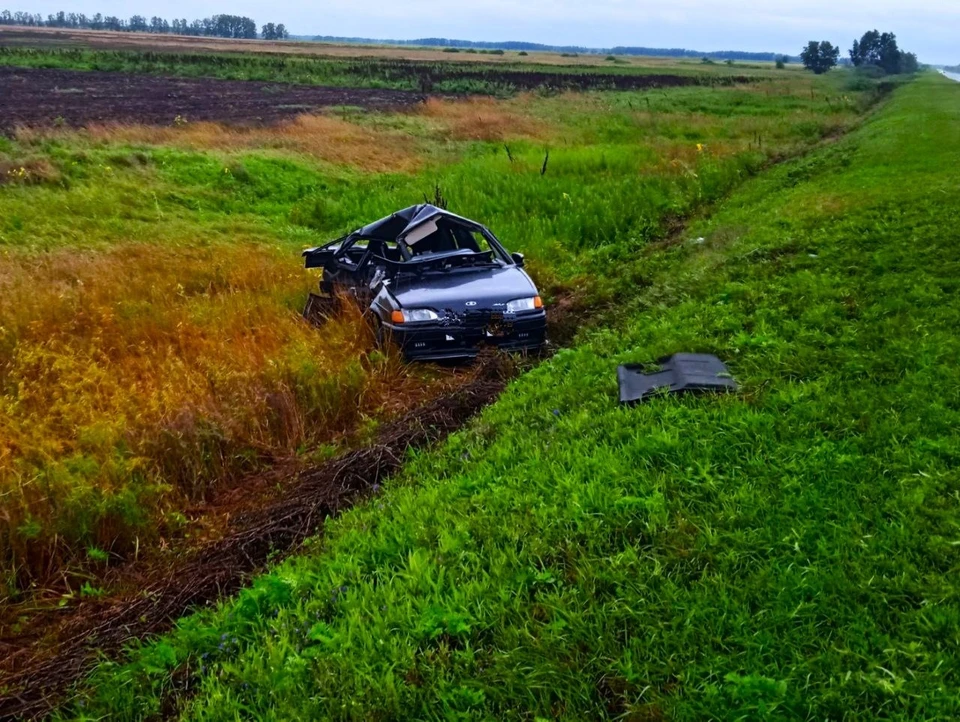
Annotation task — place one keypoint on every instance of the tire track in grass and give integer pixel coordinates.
(36, 679)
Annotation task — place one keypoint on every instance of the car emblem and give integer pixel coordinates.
(471, 303)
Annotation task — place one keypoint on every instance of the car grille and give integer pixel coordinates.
(471, 319)
(481, 319)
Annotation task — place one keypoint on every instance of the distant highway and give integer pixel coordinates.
(952, 76)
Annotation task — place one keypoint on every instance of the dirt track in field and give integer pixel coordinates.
(36, 674)
(43, 97)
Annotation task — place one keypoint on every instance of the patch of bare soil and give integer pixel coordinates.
(47, 96)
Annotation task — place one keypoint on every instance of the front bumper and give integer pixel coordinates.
(434, 342)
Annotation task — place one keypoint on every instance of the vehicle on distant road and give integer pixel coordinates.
(437, 284)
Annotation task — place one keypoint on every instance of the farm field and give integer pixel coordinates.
(39, 96)
(788, 551)
(448, 77)
(155, 364)
(58, 38)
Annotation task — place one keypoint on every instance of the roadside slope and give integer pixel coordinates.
(791, 550)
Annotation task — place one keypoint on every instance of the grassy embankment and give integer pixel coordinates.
(148, 322)
(789, 551)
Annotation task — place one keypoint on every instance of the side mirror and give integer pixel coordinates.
(517, 258)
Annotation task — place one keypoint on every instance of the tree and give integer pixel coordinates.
(909, 63)
(879, 49)
(819, 57)
(224, 26)
(889, 53)
(230, 26)
(159, 25)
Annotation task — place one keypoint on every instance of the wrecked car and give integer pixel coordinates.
(437, 284)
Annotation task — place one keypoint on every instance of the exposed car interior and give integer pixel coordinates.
(443, 237)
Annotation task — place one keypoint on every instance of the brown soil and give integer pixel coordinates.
(39, 668)
(43, 96)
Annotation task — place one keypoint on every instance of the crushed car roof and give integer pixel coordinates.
(409, 226)
(403, 223)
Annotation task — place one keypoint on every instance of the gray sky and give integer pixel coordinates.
(928, 27)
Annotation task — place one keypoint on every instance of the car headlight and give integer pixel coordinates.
(524, 304)
(412, 315)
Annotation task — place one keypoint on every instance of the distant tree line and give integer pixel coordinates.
(519, 45)
(683, 53)
(220, 26)
(875, 50)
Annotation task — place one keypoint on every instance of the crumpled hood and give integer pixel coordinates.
(475, 289)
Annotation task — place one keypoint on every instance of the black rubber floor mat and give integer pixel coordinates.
(680, 373)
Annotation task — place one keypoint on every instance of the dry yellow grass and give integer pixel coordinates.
(483, 119)
(135, 378)
(321, 137)
(34, 170)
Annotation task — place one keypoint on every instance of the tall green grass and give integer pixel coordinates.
(789, 551)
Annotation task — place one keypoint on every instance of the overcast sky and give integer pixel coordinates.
(931, 28)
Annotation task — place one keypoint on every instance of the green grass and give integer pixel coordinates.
(787, 552)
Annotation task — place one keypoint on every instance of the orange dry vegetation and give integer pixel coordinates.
(319, 136)
(326, 138)
(134, 379)
(482, 119)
